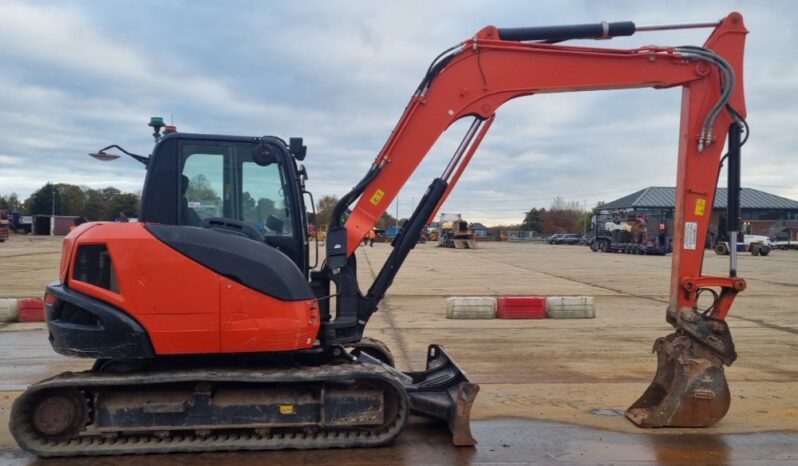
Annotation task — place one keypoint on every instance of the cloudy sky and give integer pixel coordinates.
(76, 76)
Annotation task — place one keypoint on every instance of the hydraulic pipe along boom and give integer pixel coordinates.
(733, 195)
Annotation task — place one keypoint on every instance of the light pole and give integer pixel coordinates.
(584, 220)
(397, 214)
(52, 212)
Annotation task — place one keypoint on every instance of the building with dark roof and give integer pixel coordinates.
(762, 213)
(479, 229)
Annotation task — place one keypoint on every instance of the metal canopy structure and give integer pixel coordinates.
(664, 197)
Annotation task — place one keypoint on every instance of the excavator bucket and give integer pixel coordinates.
(689, 388)
(443, 391)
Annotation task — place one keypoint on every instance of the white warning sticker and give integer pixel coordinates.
(690, 233)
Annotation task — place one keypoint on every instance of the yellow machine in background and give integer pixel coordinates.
(455, 233)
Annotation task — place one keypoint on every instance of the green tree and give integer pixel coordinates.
(125, 203)
(109, 193)
(10, 202)
(324, 209)
(386, 220)
(96, 206)
(64, 199)
(533, 221)
(200, 189)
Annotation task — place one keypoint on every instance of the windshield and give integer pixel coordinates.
(221, 180)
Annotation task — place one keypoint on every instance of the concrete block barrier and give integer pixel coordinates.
(570, 307)
(471, 307)
(31, 310)
(521, 307)
(9, 310)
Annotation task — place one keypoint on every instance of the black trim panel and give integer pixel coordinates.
(100, 331)
(251, 263)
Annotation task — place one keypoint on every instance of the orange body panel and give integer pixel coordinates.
(187, 308)
(252, 321)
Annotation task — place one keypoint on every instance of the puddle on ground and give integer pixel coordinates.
(608, 411)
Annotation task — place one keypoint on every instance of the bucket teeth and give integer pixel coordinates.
(688, 390)
(460, 424)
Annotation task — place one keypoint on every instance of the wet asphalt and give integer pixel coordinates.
(501, 442)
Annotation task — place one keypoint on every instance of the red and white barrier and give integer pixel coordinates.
(521, 307)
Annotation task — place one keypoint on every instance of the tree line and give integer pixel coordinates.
(108, 203)
(561, 217)
(72, 200)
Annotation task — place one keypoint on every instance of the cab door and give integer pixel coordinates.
(221, 179)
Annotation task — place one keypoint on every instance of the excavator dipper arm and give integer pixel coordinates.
(474, 78)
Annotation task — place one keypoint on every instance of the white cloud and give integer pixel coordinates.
(9, 160)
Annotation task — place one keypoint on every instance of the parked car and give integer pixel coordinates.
(567, 238)
(551, 239)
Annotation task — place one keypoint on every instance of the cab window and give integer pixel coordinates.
(222, 180)
(203, 185)
(263, 199)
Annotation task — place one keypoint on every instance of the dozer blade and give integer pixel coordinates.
(444, 392)
(688, 390)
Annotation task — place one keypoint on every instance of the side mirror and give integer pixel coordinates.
(297, 149)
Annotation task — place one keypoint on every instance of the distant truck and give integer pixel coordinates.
(616, 232)
(5, 223)
(784, 240)
(757, 245)
(784, 244)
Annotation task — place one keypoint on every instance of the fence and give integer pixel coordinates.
(524, 236)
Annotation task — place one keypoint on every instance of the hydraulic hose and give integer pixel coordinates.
(728, 82)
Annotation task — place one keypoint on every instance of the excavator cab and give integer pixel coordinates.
(244, 186)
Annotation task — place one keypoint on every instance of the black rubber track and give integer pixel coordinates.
(95, 444)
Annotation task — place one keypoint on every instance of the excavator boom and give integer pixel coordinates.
(474, 78)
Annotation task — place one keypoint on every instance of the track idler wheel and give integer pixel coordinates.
(51, 415)
(688, 390)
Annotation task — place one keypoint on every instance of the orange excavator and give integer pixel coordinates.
(210, 329)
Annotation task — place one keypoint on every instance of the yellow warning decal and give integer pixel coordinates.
(700, 205)
(377, 196)
(287, 409)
